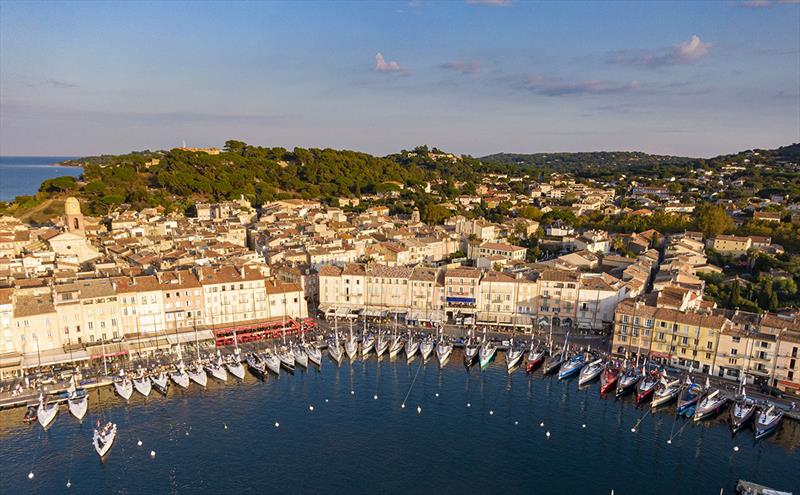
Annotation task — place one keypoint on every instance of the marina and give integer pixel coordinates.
(381, 398)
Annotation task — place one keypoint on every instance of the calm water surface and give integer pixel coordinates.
(22, 175)
(224, 439)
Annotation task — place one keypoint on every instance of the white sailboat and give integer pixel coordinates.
(351, 345)
(426, 348)
(514, 355)
(412, 346)
(103, 438)
(217, 369)
(123, 386)
(382, 344)
(179, 376)
(77, 401)
(46, 413)
(486, 352)
(142, 383)
(443, 349)
(313, 353)
(300, 355)
(198, 375)
(160, 382)
(367, 341)
(334, 347)
(272, 362)
(234, 364)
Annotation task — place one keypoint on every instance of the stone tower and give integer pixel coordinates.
(73, 218)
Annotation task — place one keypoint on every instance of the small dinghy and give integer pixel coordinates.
(426, 348)
(216, 369)
(256, 366)
(272, 362)
(46, 413)
(313, 353)
(609, 377)
(514, 355)
(300, 356)
(443, 350)
(689, 397)
(234, 364)
(123, 386)
(711, 403)
(179, 376)
(30, 414)
(666, 391)
(535, 357)
(768, 420)
(160, 382)
(590, 372)
(198, 375)
(142, 384)
(572, 366)
(103, 438)
(742, 412)
(77, 402)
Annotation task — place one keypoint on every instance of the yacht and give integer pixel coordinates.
(286, 357)
(666, 391)
(313, 353)
(351, 347)
(256, 366)
(367, 344)
(335, 349)
(487, 352)
(300, 356)
(572, 366)
(768, 420)
(471, 349)
(513, 355)
(554, 362)
(609, 377)
(272, 361)
(179, 376)
(590, 372)
(535, 356)
(744, 408)
(710, 404)
(142, 383)
(160, 382)
(103, 438)
(381, 343)
(198, 375)
(46, 413)
(426, 348)
(217, 369)
(628, 380)
(689, 397)
(396, 346)
(443, 350)
(412, 346)
(123, 386)
(77, 402)
(234, 364)
(647, 386)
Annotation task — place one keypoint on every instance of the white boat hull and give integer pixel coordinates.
(219, 373)
(103, 443)
(78, 407)
(46, 414)
(443, 353)
(237, 370)
(199, 377)
(143, 386)
(181, 379)
(124, 389)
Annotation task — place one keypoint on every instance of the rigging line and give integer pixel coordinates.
(412, 383)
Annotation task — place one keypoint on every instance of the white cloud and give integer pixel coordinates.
(381, 65)
(682, 53)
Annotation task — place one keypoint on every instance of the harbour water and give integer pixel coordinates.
(22, 175)
(325, 431)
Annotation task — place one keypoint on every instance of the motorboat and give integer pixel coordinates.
(123, 386)
(590, 372)
(647, 386)
(198, 375)
(514, 355)
(742, 412)
(300, 356)
(535, 356)
(381, 344)
(609, 377)
(77, 402)
(234, 364)
(688, 398)
(367, 344)
(46, 413)
(179, 376)
(103, 438)
(486, 352)
(711, 403)
(313, 353)
(216, 369)
(256, 366)
(768, 420)
(272, 362)
(160, 382)
(286, 357)
(443, 350)
(142, 384)
(412, 347)
(628, 380)
(471, 349)
(426, 348)
(666, 391)
(572, 366)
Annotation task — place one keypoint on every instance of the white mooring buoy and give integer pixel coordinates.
(153, 454)
(30, 475)
(139, 443)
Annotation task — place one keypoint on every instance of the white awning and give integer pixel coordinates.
(185, 337)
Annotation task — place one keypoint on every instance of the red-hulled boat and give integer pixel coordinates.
(535, 357)
(646, 387)
(609, 377)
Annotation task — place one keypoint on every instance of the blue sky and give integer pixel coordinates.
(477, 77)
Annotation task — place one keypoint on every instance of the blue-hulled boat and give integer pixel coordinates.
(572, 367)
(687, 400)
(769, 420)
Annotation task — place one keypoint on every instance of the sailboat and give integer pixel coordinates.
(123, 386)
(334, 347)
(628, 380)
(313, 353)
(471, 349)
(609, 377)
(689, 397)
(572, 366)
(647, 385)
(77, 401)
(396, 345)
(351, 345)
(743, 409)
(300, 356)
(179, 376)
(46, 413)
(535, 356)
(160, 382)
(381, 343)
(443, 349)
(590, 372)
(256, 366)
(286, 357)
(710, 404)
(198, 375)
(513, 355)
(426, 346)
(666, 391)
(103, 438)
(142, 383)
(768, 420)
(217, 369)
(272, 361)
(556, 358)
(234, 364)
(412, 346)
(486, 352)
